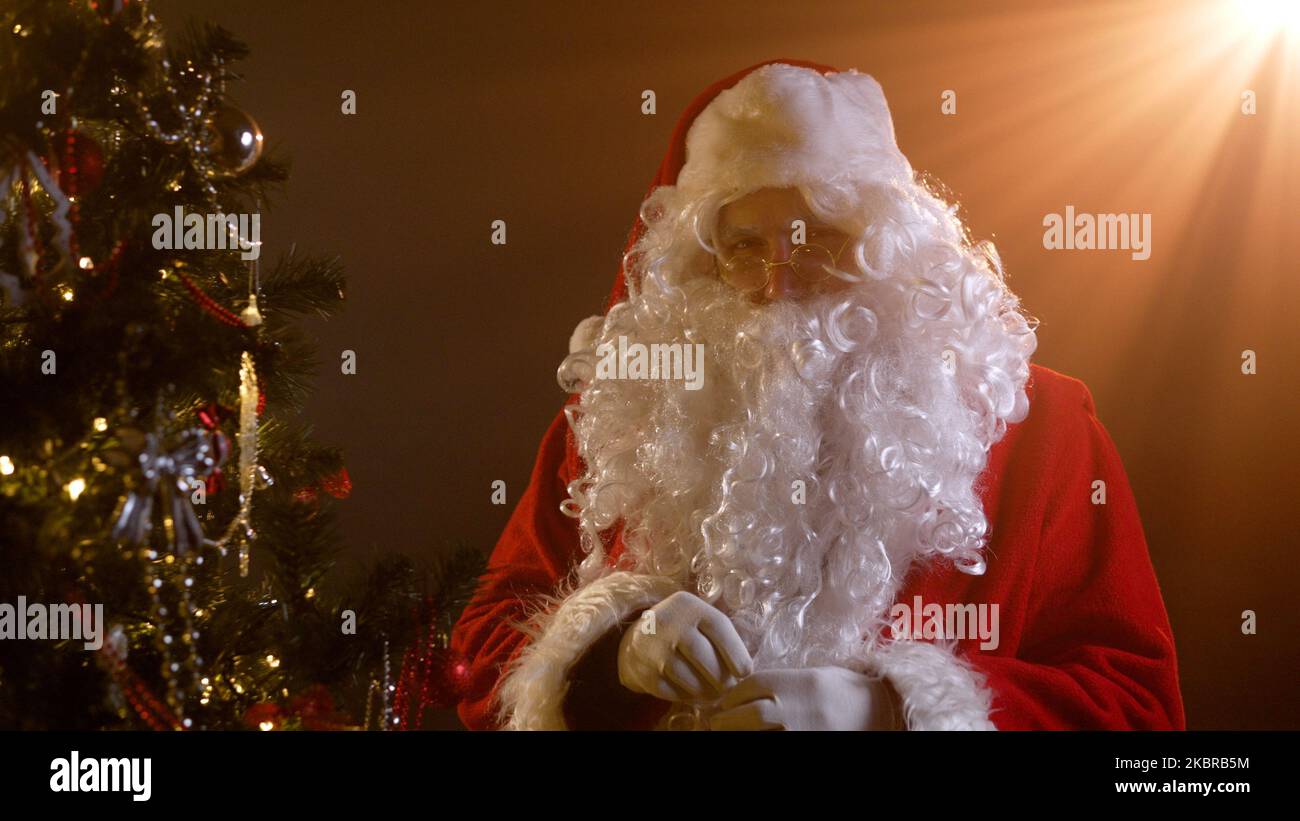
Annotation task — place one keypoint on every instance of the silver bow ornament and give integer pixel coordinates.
(170, 476)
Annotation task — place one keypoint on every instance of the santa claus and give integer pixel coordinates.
(867, 432)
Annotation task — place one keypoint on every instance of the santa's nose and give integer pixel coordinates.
(782, 282)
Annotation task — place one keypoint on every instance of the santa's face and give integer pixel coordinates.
(769, 226)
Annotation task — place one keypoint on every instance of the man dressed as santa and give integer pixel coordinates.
(865, 436)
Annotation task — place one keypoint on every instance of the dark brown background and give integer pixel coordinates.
(530, 113)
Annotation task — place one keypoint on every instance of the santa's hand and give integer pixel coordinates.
(682, 649)
(817, 698)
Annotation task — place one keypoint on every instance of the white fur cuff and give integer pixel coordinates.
(940, 691)
(533, 687)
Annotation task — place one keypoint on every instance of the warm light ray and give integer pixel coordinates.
(1269, 16)
(1161, 86)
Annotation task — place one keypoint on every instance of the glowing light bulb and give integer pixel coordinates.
(75, 487)
(101, 424)
(266, 726)
(86, 263)
(6, 465)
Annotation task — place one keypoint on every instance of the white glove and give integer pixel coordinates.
(682, 649)
(816, 698)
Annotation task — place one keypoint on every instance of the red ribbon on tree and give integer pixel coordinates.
(147, 706)
(432, 676)
(338, 485)
(313, 708)
(211, 416)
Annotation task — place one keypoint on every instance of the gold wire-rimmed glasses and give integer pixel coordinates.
(811, 262)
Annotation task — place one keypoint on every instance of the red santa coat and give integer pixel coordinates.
(1084, 639)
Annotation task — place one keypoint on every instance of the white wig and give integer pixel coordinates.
(882, 399)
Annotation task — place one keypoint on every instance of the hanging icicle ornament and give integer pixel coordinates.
(241, 528)
(248, 394)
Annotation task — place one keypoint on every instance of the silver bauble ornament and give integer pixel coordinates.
(235, 142)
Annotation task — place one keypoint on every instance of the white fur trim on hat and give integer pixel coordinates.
(533, 687)
(785, 125)
(940, 690)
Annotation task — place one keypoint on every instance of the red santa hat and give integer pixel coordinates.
(784, 125)
(776, 124)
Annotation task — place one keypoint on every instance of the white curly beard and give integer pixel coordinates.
(841, 392)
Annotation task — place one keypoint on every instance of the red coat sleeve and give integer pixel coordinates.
(532, 560)
(1093, 647)
(535, 552)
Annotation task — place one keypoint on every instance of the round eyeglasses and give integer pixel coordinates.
(750, 273)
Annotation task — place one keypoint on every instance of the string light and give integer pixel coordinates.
(75, 487)
(101, 424)
(6, 465)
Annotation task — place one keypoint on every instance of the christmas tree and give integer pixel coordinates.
(153, 462)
